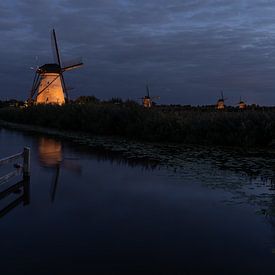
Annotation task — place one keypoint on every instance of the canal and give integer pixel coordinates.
(91, 212)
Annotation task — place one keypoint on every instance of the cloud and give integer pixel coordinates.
(187, 50)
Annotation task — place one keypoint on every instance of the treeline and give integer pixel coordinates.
(248, 128)
(11, 103)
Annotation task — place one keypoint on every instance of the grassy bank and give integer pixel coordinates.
(249, 128)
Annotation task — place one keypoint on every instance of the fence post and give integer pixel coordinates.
(26, 163)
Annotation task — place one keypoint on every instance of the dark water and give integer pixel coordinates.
(93, 213)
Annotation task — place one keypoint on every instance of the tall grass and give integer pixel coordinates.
(163, 124)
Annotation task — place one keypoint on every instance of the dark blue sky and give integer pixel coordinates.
(187, 50)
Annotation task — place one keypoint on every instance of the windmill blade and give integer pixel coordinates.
(155, 97)
(36, 76)
(72, 64)
(70, 88)
(148, 89)
(64, 86)
(35, 85)
(55, 183)
(71, 67)
(56, 55)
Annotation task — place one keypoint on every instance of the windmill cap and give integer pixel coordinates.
(50, 68)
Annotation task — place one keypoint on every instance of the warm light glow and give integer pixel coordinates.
(220, 105)
(50, 90)
(50, 152)
(242, 105)
(147, 102)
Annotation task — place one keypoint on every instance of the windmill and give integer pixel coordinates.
(48, 84)
(147, 101)
(220, 103)
(242, 104)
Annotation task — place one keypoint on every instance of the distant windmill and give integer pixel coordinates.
(49, 85)
(147, 101)
(242, 104)
(220, 103)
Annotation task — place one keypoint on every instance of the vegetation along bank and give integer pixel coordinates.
(187, 125)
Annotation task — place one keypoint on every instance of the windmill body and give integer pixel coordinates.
(49, 84)
(50, 89)
(220, 104)
(242, 105)
(147, 102)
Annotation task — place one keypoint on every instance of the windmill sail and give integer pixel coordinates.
(148, 90)
(72, 64)
(64, 86)
(55, 50)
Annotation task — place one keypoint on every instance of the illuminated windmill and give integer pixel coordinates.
(220, 103)
(49, 84)
(147, 101)
(242, 104)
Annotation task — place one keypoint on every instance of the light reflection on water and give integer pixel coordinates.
(50, 156)
(50, 152)
(117, 213)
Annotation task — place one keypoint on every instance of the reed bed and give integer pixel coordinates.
(205, 126)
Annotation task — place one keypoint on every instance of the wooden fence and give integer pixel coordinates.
(25, 167)
(24, 198)
(23, 183)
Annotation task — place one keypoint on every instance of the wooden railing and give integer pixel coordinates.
(25, 167)
(22, 185)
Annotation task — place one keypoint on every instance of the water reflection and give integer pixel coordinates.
(18, 188)
(51, 156)
(118, 154)
(250, 174)
(50, 152)
(115, 214)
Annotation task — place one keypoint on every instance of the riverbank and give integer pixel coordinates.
(249, 128)
(252, 162)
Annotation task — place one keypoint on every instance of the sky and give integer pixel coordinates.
(188, 51)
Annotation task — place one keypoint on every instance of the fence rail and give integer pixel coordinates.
(10, 158)
(22, 185)
(25, 167)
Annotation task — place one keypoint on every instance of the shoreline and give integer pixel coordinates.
(166, 155)
(127, 149)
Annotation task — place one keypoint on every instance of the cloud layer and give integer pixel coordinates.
(187, 50)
